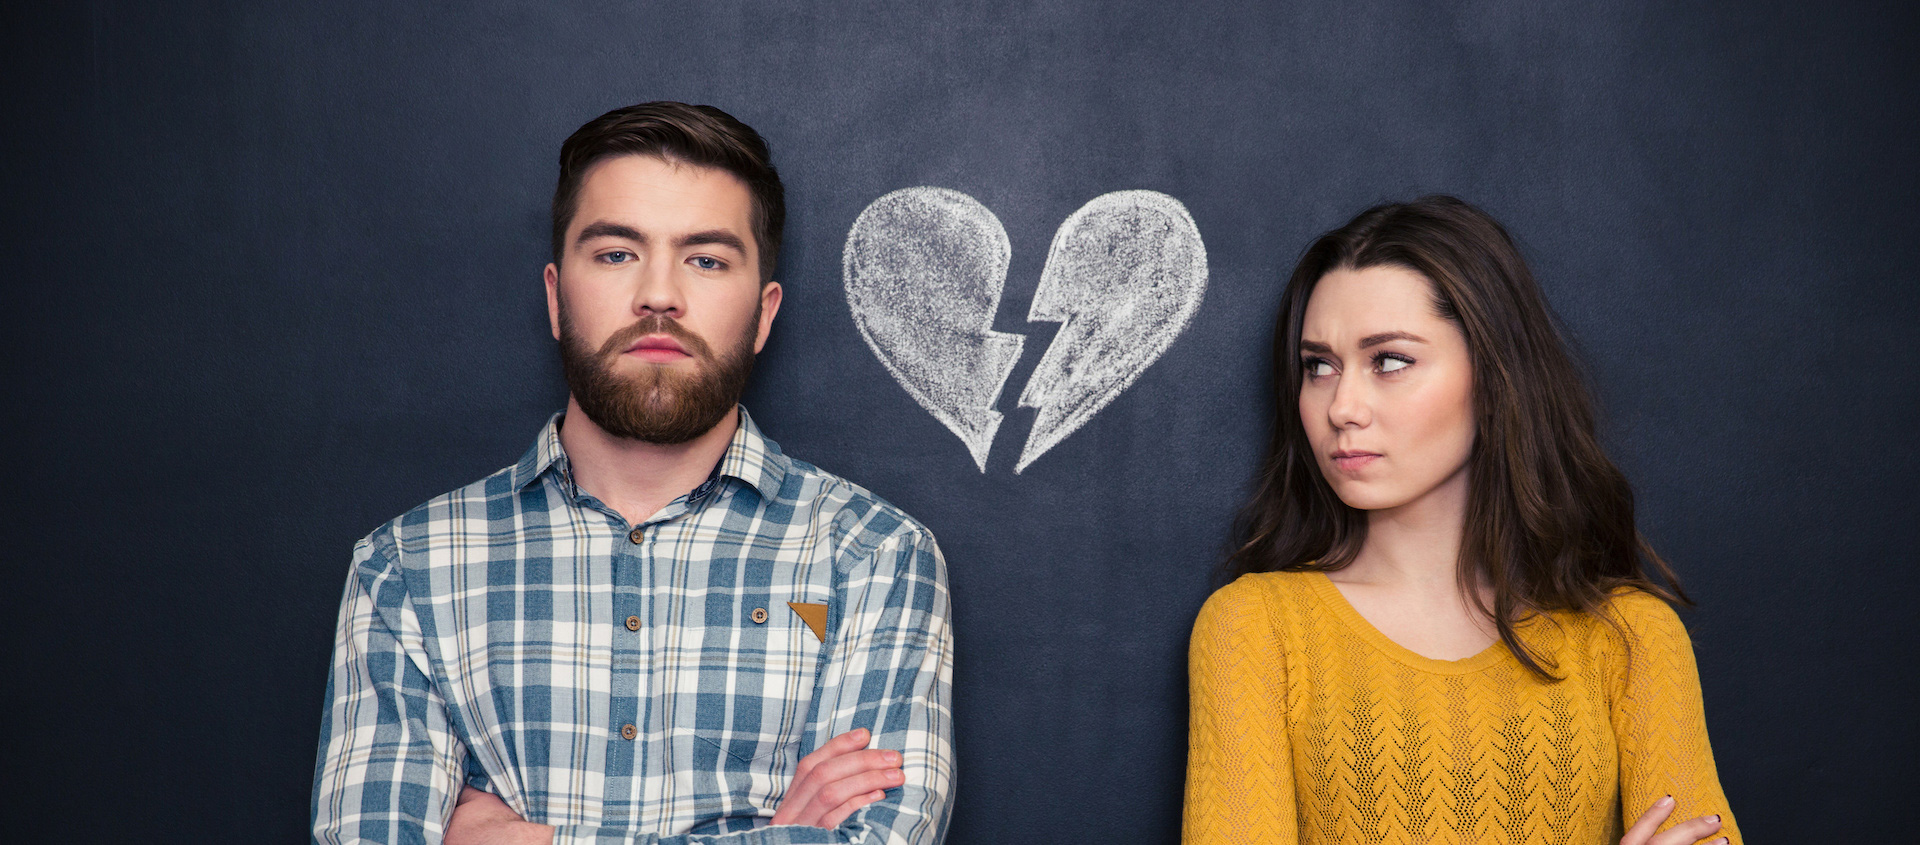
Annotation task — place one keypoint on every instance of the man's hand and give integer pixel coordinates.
(481, 818)
(836, 780)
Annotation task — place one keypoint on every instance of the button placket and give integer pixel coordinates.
(631, 684)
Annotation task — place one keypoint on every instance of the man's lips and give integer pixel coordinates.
(658, 348)
(1351, 460)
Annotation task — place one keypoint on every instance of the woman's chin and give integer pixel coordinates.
(1370, 500)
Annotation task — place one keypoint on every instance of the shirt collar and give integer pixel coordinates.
(754, 459)
(750, 457)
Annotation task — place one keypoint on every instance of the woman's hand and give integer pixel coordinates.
(1684, 833)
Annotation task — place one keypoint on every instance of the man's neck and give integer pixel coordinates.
(634, 478)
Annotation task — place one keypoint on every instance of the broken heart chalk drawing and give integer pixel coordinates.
(924, 268)
(1123, 278)
(924, 271)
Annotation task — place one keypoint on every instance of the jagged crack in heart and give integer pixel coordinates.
(924, 270)
(1124, 276)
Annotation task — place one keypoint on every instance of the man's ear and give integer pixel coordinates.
(769, 306)
(553, 299)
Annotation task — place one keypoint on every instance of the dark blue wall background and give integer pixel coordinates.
(274, 278)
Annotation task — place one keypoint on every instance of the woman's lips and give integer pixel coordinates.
(1354, 461)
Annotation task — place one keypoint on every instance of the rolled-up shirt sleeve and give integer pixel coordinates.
(390, 765)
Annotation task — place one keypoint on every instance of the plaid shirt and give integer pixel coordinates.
(636, 684)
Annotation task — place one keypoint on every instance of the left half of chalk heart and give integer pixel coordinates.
(924, 268)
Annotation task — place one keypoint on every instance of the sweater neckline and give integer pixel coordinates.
(1331, 597)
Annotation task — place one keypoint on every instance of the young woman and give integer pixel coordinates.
(1446, 627)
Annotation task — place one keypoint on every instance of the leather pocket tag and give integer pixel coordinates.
(815, 615)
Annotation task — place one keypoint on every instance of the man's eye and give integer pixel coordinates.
(707, 263)
(1317, 367)
(617, 257)
(1390, 363)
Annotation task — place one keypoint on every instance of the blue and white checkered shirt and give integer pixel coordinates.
(636, 683)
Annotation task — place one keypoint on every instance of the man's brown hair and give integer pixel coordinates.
(682, 134)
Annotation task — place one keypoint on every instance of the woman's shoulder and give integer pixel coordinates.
(1640, 610)
(1265, 595)
(1259, 613)
(1269, 585)
(1631, 619)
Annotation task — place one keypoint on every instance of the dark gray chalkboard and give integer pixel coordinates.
(275, 278)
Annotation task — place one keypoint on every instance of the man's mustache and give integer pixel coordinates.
(655, 324)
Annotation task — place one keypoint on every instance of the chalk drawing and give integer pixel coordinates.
(1124, 277)
(924, 268)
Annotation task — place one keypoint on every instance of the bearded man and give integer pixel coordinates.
(655, 627)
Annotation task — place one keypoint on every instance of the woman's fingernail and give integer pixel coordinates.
(1666, 801)
(1714, 818)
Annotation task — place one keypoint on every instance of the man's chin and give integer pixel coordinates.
(658, 415)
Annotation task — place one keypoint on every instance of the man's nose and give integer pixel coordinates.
(659, 293)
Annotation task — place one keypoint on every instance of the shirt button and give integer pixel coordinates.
(759, 616)
(635, 536)
(629, 732)
(633, 623)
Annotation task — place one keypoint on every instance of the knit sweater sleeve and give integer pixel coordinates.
(1239, 769)
(1659, 720)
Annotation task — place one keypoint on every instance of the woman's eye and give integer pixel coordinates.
(1389, 363)
(706, 263)
(1317, 367)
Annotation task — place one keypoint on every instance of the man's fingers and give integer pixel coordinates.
(806, 783)
(839, 814)
(838, 792)
(809, 802)
(854, 763)
(1648, 822)
(832, 782)
(1688, 832)
(842, 757)
(852, 740)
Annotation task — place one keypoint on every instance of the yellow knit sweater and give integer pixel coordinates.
(1311, 726)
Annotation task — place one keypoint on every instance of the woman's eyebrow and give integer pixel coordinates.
(1383, 337)
(1315, 346)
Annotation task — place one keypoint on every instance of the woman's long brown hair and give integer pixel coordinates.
(1549, 523)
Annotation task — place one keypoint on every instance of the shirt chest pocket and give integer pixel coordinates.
(747, 688)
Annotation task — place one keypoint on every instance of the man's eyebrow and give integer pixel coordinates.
(1383, 337)
(717, 237)
(1315, 346)
(603, 229)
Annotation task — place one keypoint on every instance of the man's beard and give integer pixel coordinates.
(656, 405)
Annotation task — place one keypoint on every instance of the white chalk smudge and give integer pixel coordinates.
(1124, 277)
(924, 268)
